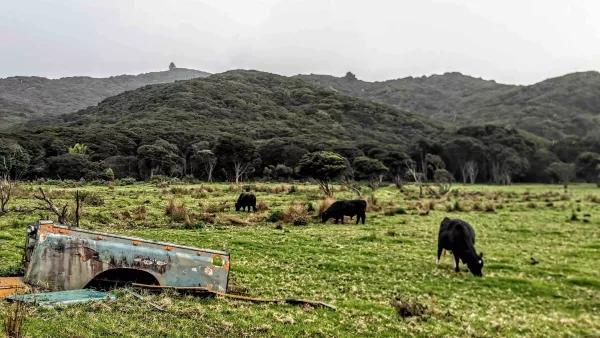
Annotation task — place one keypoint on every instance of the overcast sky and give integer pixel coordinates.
(511, 41)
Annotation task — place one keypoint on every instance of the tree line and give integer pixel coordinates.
(475, 154)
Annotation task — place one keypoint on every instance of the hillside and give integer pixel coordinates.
(555, 108)
(23, 98)
(286, 117)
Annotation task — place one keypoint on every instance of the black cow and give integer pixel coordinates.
(339, 209)
(246, 199)
(459, 237)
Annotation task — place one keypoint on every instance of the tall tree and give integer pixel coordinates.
(172, 66)
(160, 157)
(14, 160)
(370, 169)
(564, 172)
(395, 161)
(236, 156)
(586, 165)
(323, 167)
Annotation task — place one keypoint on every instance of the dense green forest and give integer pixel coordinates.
(248, 124)
(554, 109)
(25, 97)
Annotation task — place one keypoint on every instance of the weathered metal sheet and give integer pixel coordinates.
(67, 258)
(11, 285)
(51, 299)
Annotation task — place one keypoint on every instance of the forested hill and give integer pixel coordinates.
(23, 98)
(564, 106)
(272, 121)
(251, 104)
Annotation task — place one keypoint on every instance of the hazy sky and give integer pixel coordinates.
(511, 41)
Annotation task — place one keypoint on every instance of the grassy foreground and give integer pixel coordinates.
(359, 268)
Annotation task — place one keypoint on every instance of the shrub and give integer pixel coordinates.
(457, 206)
(140, 213)
(391, 211)
(200, 195)
(324, 205)
(309, 207)
(189, 179)
(126, 181)
(179, 191)
(217, 207)
(400, 211)
(295, 214)
(275, 216)
(372, 204)
(14, 315)
(234, 188)
(262, 206)
(477, 207)
(91, 198)
(489, 207)
(408, 308)
(592, 198)
(283, 188)
(531, 205)
(207, 217)
(160, 179)
(121, 215)
(293, 189)
(193, 226)
(178, 213)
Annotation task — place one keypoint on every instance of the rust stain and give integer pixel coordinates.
(136, 243)
(167, 247)
(11, 285)
(100, 238)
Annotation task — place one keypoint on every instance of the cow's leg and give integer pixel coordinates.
(336, 221)
(343, 219)
(456, 261)
(364, 216)
(357, 218)
(439, 253)
(249, 209)
(254, 207)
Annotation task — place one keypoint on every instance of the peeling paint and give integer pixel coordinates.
(67, 258)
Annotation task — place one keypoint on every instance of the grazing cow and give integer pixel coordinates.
(459, 237)
(339, 209)
(246, 199)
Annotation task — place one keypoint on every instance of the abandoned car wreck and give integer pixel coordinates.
(61, 258)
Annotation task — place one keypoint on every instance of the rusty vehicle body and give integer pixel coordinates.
(11, 285)
(60, 258)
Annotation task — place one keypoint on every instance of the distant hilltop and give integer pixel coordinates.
(26, 97)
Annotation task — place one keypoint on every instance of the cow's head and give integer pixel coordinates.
(324, 216)
(476, 265)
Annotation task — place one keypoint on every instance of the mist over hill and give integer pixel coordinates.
(25, 97)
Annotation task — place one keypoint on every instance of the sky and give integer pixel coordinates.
(510, 41)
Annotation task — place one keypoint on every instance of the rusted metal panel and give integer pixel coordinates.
(67, 258)
(11, 285)
(51, 299)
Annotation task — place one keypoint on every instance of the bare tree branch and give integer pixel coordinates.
(61, 214)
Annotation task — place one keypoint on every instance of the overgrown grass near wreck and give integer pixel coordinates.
(359, 268)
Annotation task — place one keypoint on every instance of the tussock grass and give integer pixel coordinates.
(296, 214)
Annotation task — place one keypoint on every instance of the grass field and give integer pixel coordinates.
(359, 268)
